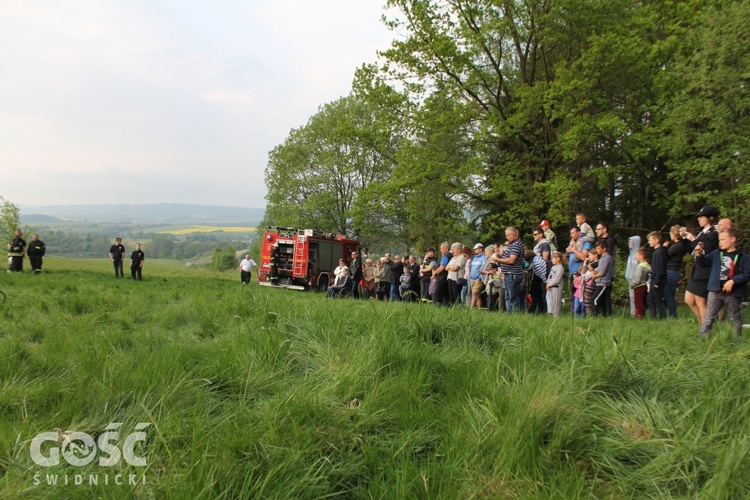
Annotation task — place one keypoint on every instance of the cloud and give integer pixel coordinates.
(134, 93)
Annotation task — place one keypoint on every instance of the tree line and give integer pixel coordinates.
(484, 114)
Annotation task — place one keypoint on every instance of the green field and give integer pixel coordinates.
(253, 392)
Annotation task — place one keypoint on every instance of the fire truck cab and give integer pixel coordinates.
(307, 257)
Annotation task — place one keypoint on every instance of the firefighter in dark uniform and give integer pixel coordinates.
(116, 254)
(16, 251)
(36, 251)
(273, 276)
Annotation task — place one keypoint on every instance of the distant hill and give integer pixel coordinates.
(153, 213)
(39, 218)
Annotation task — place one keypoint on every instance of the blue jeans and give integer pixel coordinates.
(673, 277)
(394, 292)
(512, 286)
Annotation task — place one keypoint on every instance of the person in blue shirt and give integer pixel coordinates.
(477, 264)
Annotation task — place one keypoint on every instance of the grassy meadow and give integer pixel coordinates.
(253, 392)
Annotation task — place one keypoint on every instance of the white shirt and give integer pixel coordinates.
(247, 265)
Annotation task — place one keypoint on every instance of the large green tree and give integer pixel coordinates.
(316, 177)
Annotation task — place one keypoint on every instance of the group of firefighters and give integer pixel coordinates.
(17, 250)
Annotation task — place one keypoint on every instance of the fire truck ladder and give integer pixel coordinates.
(299, 255)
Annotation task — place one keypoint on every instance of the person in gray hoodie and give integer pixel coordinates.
(634, 243)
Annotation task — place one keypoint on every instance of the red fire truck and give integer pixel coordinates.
(307, 257)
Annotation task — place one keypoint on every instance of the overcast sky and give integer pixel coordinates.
(137, 101)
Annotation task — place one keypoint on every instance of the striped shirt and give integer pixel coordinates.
(514, 248)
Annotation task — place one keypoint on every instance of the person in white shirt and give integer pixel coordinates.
(246, 268)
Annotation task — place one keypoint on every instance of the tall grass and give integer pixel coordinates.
(259, 392)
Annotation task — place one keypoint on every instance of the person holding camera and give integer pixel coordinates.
(696, 293)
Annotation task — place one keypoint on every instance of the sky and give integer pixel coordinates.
(175, 101)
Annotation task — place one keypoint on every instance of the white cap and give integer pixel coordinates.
(478, 245)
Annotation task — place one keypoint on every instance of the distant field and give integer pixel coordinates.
(207, 229)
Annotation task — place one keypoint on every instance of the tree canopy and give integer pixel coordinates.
(484, 114)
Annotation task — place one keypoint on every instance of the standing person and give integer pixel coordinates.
(397, 269)
(274, 261)
(367, 290)
(428, 264)
(634, 244)
(379, 278)
(36, 251)
(602, 231)
(696, 292)
(16, 251)
(602, 275)
(413, 266)
(675, 254)
(578, 251)
(440, 296)
(116, 255)
(554, 285)
(340, 268)
(356, 268)
(511, 265)
(639, 282)
(729, 272)
(246, 269)
(476, 266)
(658, 280)
(136, 262)
(455, 270)
(537, 289)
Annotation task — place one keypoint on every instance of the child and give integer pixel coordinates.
(727, 283)
(589, 287)
(554, 285)
(578, 308)
(405, 281)
(587, 234)
(639, 282)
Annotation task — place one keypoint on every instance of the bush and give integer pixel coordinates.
(225, 259)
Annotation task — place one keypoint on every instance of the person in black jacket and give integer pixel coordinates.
(658, 280)
(696, 292)
(136, 262)
(36, 251)
(355, 266)
(16, 251)
(116, 255)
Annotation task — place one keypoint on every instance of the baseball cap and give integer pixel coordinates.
(545, 222)
(478, 245)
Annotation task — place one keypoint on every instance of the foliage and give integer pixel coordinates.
(253, 392)
(224, 259)
(488, 114)
(10, 220)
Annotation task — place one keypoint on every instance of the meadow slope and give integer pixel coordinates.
(252, 392)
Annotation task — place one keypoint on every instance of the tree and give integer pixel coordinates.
(707, 125)
(315, 177)
(10, 220)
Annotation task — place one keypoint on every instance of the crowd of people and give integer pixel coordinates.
(510, 277)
